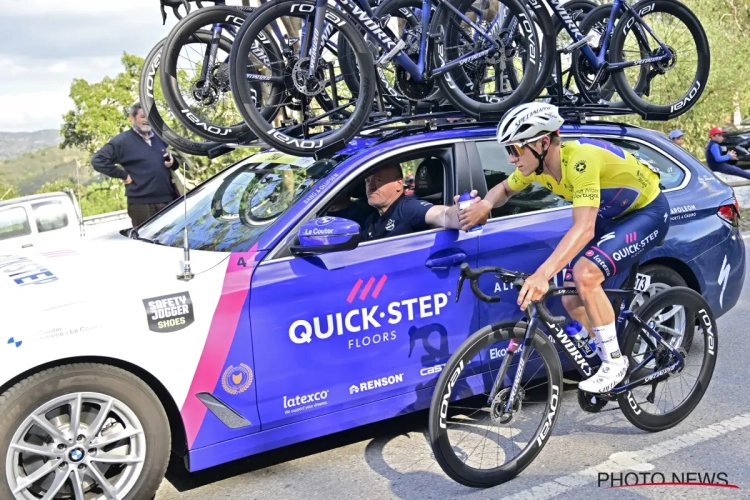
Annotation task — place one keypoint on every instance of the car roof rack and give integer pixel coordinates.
(443, 118)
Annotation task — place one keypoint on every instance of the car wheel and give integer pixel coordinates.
(82, 431)
(673, 322)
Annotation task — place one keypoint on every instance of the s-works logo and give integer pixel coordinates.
(378, 320)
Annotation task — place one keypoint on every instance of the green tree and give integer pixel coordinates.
(727, 25)
(8, 191)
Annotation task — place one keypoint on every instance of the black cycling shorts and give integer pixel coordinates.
(619, 243)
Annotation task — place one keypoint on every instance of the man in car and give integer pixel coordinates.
(619, 211)
(399, 214)
(717, 161)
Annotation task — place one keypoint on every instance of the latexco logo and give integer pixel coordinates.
(298, 403)
(378, 382)
(364, 319)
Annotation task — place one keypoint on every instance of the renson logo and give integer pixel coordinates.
(362, 319)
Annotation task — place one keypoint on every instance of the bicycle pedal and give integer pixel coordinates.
(580, 43)
(385, 59)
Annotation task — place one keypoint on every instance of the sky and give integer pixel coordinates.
(45, 44)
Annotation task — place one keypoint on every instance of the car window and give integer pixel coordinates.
(497, 167)
(230, 212)
(14, 223)
(49, 215)
(671, 175)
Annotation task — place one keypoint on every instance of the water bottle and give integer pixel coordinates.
(463, 202)
(580, 337)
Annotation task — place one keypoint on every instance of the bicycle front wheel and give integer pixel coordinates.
(664, 402)
(301, 128)
(472, 437)
(671, 86)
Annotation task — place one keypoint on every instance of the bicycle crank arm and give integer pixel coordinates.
(580, 43)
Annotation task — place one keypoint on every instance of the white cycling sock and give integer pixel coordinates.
(606, 340)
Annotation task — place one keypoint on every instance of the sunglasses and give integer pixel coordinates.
(515, 149)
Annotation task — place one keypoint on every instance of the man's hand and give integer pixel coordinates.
(128, 180)
(733, 154)
(533, 289)
(476, 213)
(169, 160)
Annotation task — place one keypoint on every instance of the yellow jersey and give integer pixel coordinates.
(596, 173)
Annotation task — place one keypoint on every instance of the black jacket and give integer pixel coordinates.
(152, 181)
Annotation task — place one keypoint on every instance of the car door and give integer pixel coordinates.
(16, 231)
(340, 330)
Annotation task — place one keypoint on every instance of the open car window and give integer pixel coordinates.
(230, 212)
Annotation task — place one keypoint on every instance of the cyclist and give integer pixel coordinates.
(619, 212)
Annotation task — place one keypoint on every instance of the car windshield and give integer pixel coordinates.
(230, 212)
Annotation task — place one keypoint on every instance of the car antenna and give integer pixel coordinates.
(186, 274)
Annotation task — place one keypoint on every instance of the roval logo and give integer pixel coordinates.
(551, 415)
(447, 395)
(367, 318)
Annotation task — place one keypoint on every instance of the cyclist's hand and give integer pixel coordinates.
(533, 289)
(128, 180)
(476, 213)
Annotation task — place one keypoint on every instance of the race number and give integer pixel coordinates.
(642, 282)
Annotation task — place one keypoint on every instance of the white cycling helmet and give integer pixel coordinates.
(527, 122)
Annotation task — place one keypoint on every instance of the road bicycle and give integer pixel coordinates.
(297, 76)
(496, 375)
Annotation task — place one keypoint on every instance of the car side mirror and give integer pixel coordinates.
(326, 235)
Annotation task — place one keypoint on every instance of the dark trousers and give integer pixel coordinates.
(141, 212)
(732, 170)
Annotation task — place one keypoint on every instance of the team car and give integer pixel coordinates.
(246, 318)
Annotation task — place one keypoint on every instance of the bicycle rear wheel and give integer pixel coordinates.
(700, 347)
(471, 372)
(469, 86)
(677, 94)
(301, 129)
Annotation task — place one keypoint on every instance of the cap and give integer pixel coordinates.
(675, 134)
(716, 130)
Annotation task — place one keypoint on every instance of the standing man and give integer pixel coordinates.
(146, 166)
(676, 136)
(717, 161)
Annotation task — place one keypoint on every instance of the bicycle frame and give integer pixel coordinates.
(363, 19)
(574, 354)
(598, 61)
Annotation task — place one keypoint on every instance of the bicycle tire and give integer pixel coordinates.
(306, 147)
(577, 9)
(452, 83)
(630, 96)
(548, 57)
(439, 441)
(148, 102)
(629, 406)
(595, 16)
(182, 31)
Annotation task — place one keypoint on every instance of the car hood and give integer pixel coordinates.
(91, 276)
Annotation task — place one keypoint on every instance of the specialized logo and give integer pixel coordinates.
(24, 271)
(169, 313)
(377, 383)
(367, 318)
(606, 237)
(634, 248)
(723, 279)
(237, 379)
(580, 166)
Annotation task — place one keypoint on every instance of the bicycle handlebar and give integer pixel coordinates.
(516, 277)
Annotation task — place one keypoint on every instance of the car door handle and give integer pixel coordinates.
(27, 245)
(444, 262)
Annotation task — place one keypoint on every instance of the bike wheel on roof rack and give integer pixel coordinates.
(301, 128)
